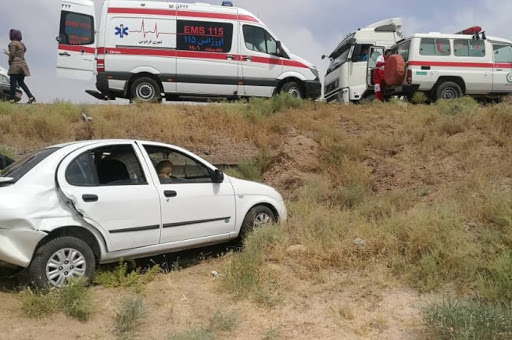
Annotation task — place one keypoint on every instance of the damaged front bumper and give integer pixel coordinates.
(17, 246)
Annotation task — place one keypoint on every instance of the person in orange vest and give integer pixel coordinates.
(378, 75)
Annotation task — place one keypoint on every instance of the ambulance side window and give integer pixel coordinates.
(76, 29)
(437, 47)
(403, 50)
(502, 53)
(468, 48)
(259, 40)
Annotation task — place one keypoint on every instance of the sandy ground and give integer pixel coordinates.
(333, 305)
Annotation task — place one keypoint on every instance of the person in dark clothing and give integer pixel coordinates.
(18, 68)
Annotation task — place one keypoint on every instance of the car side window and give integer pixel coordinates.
(172, 166)
(259, 40)
(106, 166)
(502, 53)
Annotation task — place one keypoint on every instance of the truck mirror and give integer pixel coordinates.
(324, 56)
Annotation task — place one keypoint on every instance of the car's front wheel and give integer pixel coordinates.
(259, 216)
(293, 89)
(61, 259)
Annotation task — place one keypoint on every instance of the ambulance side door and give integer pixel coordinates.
(502, 70)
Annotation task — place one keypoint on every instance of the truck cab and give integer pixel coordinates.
(349, 75)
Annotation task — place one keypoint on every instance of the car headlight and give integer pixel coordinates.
(315, 72)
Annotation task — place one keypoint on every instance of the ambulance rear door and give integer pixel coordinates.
(77, 41)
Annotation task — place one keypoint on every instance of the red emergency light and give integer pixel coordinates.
(471, 30)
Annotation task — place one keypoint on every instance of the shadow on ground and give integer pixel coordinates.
(12, 279)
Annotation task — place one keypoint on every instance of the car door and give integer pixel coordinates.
(108, 186)
(502, 71)
(193, 207)
(77, 43)
(261, 67)
(207, 62)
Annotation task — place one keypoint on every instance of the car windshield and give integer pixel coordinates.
(18, 169)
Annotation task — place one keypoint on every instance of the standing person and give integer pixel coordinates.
(378, 75)
(18, 68)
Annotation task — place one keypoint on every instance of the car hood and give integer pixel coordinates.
(243, 187)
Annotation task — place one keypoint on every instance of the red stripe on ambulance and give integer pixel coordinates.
(458, 64)
(77, 48)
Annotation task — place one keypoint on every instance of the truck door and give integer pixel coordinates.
(77, 41)
(373, 53)
(502, 71)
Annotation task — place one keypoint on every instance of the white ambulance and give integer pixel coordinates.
(148, 50)
(448, 66)
(349, 76)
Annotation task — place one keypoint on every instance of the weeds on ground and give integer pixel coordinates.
(259, 108)
(129, 315)
(246, 275)
(73, 300)
(223, 322)
(468, 320)
(464, 105)
(253, 169)
(194, 334)
(419, 98)
(121, 277)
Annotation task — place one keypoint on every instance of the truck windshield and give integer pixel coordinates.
(338, 58)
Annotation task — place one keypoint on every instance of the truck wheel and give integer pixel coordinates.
(145, 90)
(448, 91)
(60, 259)
(293, 89)
(257, 217)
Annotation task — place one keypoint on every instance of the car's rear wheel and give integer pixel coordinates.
(61, 259)
(448, 91)
(145, 89)
(293, 89)
(259, 216)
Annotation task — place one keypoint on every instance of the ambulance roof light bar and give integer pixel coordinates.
(227, 3)
(471, 30)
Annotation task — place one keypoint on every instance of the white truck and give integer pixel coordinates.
(148, 50)
(349, 76)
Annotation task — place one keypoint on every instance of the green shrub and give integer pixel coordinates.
(259, 108)
(194, 334)
(419, 97)
(121, 277)
(73, 299)
(129, 315)
(464, 105)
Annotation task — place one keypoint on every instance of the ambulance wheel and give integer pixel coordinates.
(145, 90)
(293, 89)
(448, 91)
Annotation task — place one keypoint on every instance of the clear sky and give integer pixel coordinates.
(309, 28)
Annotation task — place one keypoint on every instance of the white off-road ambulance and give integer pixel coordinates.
(448, 66)
(148, 50)
(349, 76)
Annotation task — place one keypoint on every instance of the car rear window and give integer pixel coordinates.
(20, 168)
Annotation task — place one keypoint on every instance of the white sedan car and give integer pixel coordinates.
(68, 207)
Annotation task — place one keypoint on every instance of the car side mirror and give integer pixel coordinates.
(217, 176)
